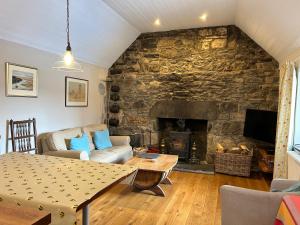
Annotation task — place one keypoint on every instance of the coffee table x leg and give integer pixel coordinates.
(150, 180)
(166, 181)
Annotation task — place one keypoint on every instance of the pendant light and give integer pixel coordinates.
(68, 63)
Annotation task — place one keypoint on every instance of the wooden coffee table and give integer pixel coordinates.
(151, 173)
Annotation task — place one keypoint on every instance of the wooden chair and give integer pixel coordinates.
(23, 135)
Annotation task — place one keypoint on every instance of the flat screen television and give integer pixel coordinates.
(261, 125)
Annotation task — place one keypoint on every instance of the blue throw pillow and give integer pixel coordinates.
(80, 143)
(102, 140)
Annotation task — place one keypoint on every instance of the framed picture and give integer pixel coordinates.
(77, 91)
(21, 81)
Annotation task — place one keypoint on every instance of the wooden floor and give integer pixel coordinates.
(193, 199)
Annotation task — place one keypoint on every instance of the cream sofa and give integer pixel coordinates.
(54, 144)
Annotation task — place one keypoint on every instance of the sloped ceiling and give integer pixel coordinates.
(98, 34)
(175, 14)
(102, 29)
(274, 25)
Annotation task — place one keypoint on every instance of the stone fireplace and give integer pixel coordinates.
(208, 74)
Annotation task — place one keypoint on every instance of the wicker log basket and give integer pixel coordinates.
(234, 163)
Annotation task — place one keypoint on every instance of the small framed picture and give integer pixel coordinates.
(77, 91)
(21, 81)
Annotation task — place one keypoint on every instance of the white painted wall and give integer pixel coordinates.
(49, 108)
(98, 34)
(293, 165)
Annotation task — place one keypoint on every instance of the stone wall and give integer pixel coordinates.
(220, 66)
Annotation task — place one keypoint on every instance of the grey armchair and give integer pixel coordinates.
(241, 206)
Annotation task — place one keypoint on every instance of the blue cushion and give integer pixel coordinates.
(80, 143)
(102, 140)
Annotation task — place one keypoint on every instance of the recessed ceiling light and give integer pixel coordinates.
(203, 17)
(157, 22)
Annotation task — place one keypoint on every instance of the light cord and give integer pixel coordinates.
(68, 23)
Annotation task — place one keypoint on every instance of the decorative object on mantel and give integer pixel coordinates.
(235, 161)
(114, 108)
(76, 92)
(106, 89)
(21, 81)
(68, 62)
(101, 88)
(113, 122)
(115, 88)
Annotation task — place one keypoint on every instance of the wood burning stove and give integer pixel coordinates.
(177, 136)
(179, 144)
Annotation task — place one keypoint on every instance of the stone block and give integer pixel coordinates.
(228, 107)
(221, 31)
(232, 128)
(232, 44)
(155, 84)
(205, 44)
(149, 43)
(114, 71)
(219, 43)
(139, 104)
(153, 67)
(205, 32)
(151, 55)
(166, 43)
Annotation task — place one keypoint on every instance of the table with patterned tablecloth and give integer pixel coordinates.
(60, 186)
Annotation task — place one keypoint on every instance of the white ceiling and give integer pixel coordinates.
(98, 34)
(273, 24)
(174, 14)
(102, 29)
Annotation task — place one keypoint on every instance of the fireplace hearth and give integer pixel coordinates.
(186, 138)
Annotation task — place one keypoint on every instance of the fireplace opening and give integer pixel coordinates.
(186, 138)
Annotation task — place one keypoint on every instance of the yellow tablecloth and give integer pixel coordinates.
(57, 185)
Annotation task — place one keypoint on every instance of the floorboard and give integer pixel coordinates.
(193, 199)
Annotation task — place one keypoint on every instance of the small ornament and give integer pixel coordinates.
(193, 158)
(115, 88)
(114, 108)
(163, 146)
(113, 122)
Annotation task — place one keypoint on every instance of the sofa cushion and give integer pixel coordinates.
(90, 129)
(101, 140)
(58, 139)
(80, 143)
(115, 154)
